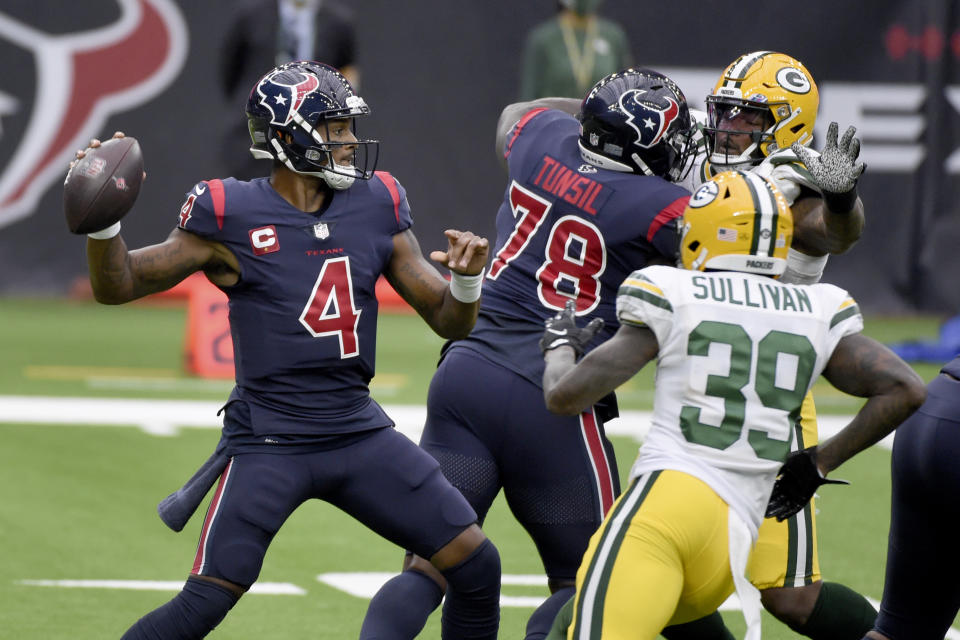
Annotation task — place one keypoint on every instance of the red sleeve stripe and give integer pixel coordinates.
(670, 212)
(519, 126)
(391, 184)
(216, 194)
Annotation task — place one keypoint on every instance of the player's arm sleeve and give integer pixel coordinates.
(404, 217)
(845, 318)
(643, 302)
(662, 230)
(515, 118)
(202, 211)
(401, 218)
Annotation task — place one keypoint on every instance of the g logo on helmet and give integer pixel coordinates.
(792, 79)
(704, 195)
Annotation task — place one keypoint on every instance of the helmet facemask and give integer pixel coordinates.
(727, 118)
(310, 151)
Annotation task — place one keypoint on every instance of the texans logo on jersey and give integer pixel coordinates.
(648, 119)
(283, 91)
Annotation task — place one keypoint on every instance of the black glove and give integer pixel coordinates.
(836, 169)
(562, 330)
(797, 481)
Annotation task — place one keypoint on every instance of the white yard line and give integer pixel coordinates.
(359, 584)
(165, 417)
(260, 588)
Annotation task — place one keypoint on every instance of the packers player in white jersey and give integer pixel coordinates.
(760, 118)
(737, 351)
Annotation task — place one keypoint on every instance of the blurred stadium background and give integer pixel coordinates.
(78, 503)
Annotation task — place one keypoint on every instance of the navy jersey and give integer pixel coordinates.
(303, 315)
(566, 230)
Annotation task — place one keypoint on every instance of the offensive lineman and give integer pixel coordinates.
(736, 354)
(585, 204)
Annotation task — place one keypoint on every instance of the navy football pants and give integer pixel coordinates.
(489, 428)
(921, 594)
(384, 480)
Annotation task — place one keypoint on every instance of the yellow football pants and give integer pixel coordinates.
(661, 557)
(786, 552)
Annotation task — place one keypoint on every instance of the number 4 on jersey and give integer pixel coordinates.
(331, 310)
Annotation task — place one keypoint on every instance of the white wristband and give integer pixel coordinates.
(802, 268)
(106, 234)
(466, 288)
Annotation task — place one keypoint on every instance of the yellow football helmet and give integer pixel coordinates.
(736, 221)
(769, 95)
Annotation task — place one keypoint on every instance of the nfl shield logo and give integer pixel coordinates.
(321, 231)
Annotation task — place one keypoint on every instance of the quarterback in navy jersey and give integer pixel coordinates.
(585, 204)
(299, 383)
(298, 255)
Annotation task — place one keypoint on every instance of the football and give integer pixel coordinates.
(102, 187)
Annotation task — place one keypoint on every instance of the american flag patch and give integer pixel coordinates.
(727, 235)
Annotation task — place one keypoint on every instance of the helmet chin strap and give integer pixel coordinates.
(335, 180)
(647, 171)
(745, 165)
(339, 181)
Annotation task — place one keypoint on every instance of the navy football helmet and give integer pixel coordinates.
(288, 112)
(637, 120)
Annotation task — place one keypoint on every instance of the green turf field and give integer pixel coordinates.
(78, 502)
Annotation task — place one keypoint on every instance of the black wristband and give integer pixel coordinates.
(840, 202)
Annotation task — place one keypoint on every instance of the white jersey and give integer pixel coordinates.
(738, 352)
